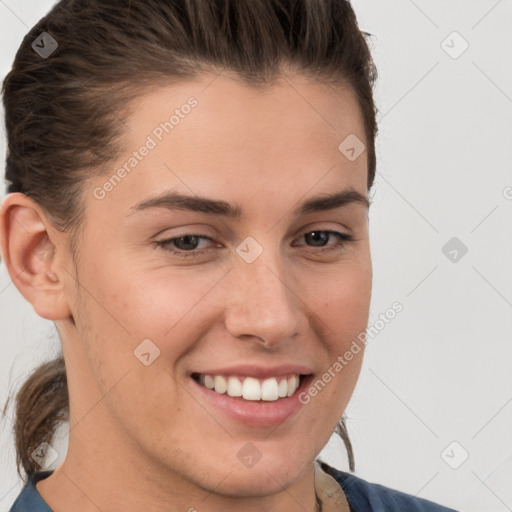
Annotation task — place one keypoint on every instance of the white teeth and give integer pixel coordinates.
(293, 384)
(249, 388)
(283, 388)
(209, 381)
(269, 390)
(234, 387)
(220, 384)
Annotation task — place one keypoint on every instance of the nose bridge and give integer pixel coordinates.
(262, 302)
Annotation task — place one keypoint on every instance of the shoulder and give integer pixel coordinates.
(364, 496)
(29, 499)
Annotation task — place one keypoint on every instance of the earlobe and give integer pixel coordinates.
(30, 256)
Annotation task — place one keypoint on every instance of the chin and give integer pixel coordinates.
(265, 477)
(254, 483)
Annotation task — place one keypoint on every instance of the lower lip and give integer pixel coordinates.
(255, 413)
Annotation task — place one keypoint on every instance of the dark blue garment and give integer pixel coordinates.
(362, 496)
(29, 500)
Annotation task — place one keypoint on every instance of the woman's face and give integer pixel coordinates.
(253, 287)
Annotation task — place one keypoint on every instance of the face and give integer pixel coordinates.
(179, 294)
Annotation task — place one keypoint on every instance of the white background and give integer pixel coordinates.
(441, 371)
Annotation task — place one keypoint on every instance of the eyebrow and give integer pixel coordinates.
(172, 200)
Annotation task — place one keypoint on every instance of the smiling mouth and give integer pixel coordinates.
(250, 388)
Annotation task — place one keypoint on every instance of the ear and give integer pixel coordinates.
(29, 245)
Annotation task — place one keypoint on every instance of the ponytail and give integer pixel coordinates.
(42, 403)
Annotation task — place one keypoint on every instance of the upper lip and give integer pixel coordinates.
(259, 372)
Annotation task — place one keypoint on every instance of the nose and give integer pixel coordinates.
(261, 303)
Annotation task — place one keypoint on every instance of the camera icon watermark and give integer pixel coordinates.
(45, 455)
(454, 455)
(454, 45)
(146, 352)
(44, 45)
(43, 255)
(454, 249)
(249, 455)
(352, 147)
(249, 250)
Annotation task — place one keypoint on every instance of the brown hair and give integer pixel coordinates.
(63, 110)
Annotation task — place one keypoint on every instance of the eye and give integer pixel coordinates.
(320, 237)
(186, 246)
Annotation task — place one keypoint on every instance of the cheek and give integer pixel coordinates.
(151, 305)
(133, 334)
(342, 299)
(342, 302)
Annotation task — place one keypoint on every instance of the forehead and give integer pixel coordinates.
(215, 134)
(294, 107)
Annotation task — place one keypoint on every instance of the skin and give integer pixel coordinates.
(140, 438)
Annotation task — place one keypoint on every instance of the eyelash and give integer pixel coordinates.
(343, 239)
